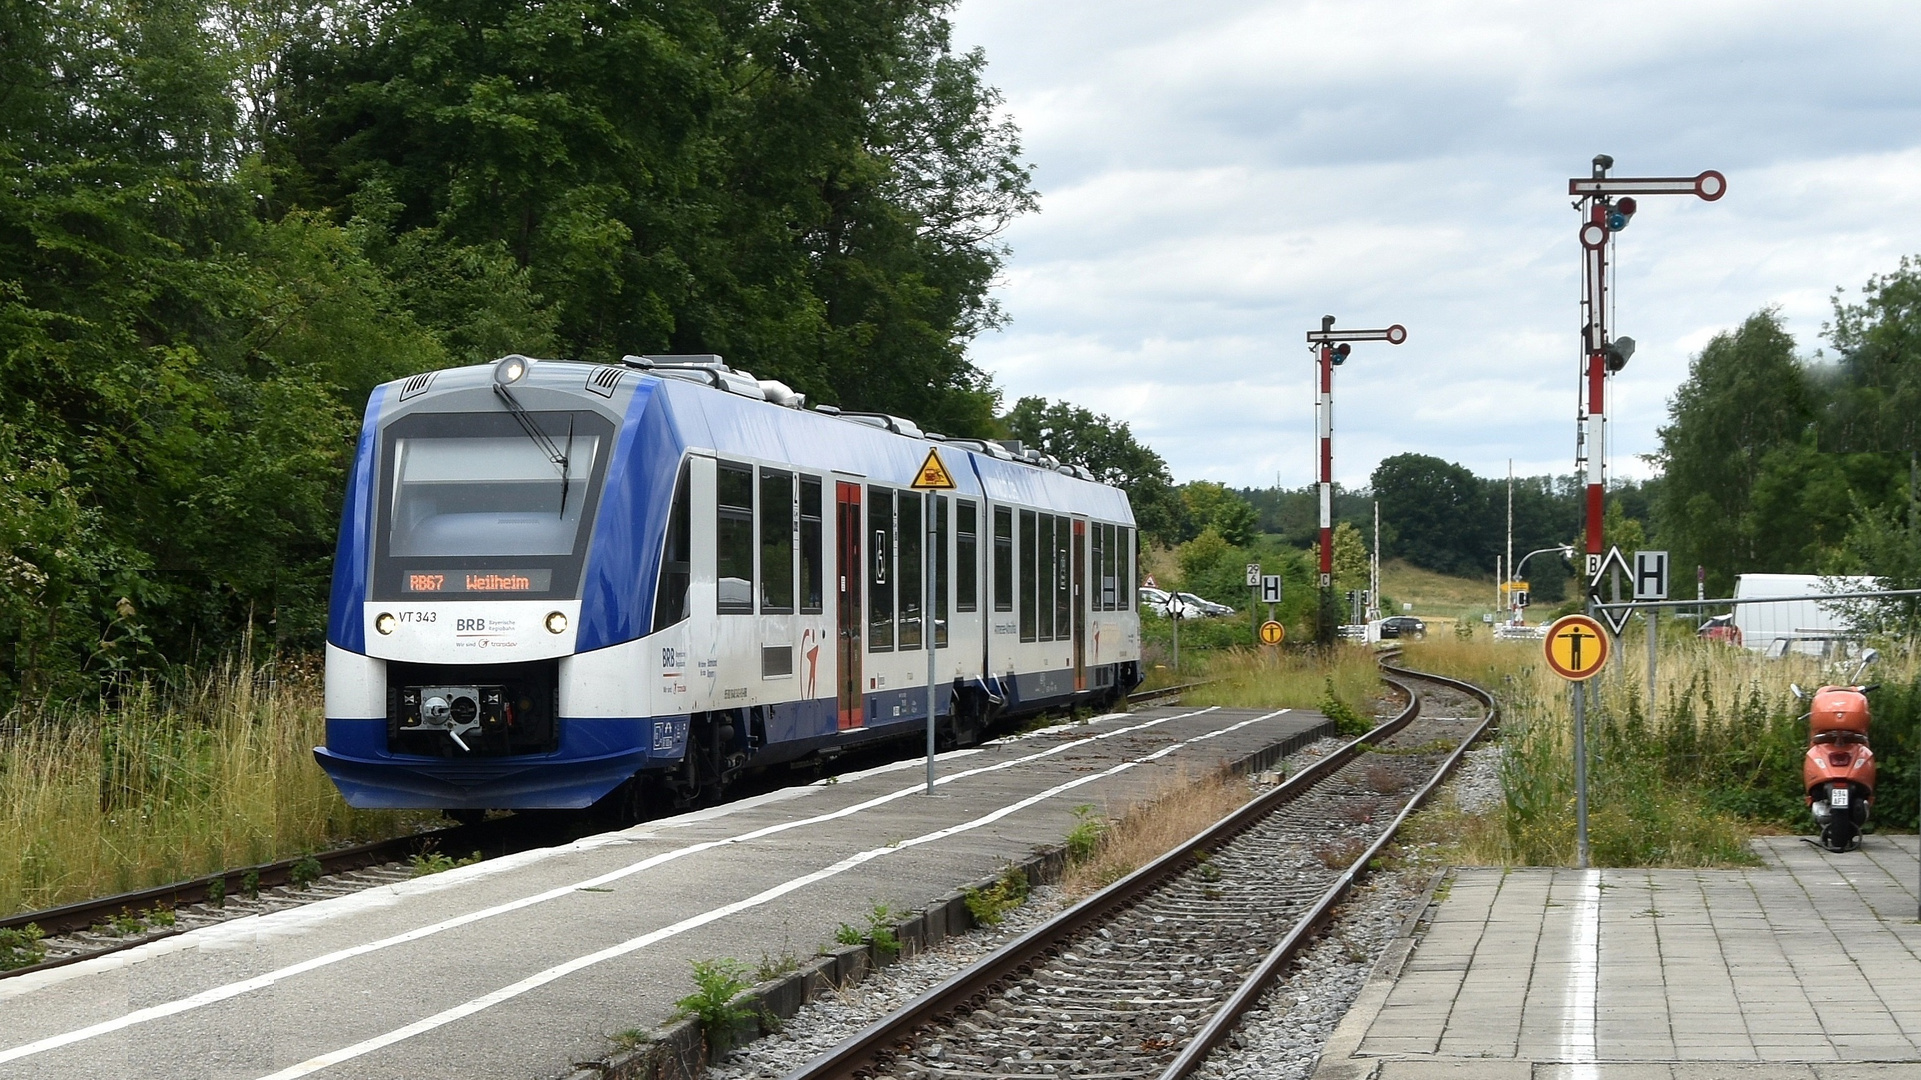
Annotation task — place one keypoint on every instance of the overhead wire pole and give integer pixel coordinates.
(1331, 349)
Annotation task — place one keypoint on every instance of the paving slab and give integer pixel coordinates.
(1808, 968)
(519, 967)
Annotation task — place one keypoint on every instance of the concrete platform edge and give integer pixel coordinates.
(1337, 1056)
(679, 1049)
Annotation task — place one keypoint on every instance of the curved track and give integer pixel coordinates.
(1146, 977)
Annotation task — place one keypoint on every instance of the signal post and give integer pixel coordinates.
(1607, 205)
(1331, 348)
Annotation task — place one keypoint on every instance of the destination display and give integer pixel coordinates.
(478, 581)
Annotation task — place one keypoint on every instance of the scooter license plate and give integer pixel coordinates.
(1838, 798)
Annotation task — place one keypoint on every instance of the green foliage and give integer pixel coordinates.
(20, 946)
(845, 934)
(1213, 507)
(880, 932)
(435, 862)
(250, 884)
(227, 222)
(718, 983)
(1348, 720)
(217, 891)
(1085, 837)
(991, 904)
(304, 872)
(1109, 451)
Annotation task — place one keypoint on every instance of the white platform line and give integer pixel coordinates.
(1583, 979)
(542, 978)
(364, 900)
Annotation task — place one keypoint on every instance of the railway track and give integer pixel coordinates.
(90, 928)
(1148, 976)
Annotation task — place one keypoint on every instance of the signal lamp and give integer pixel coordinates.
(385, 622)
(1617, 221)
(1617, 352)
(556, 622)
(511, 369)
(1341, 352)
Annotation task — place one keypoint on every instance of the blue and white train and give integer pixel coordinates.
(556, 579)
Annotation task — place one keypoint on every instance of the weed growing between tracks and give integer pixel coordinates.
(1689, 786)
(1249, 678)
(1152, 828)
(168, 783)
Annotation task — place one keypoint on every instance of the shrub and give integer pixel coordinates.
(991, 904)
(719, 982)
(20, 947)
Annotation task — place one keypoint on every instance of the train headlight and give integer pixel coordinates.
(385, 622)
(556, 622)
(511, 369)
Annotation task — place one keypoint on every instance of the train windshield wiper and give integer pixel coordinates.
(560, 459)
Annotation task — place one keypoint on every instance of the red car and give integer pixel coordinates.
(1721, 628)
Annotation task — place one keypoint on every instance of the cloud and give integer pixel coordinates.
(1217, 176)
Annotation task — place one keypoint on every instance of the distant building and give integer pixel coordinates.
(1803, 626)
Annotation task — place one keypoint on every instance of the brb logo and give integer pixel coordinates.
(469, 624)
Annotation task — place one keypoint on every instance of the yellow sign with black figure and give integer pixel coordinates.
(1577, 647)
(933, 475)
(1272, 633)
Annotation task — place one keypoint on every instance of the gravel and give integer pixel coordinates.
(1280, 1039)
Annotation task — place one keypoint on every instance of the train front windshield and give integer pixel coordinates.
(473, 505)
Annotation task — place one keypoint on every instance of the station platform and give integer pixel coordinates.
(520, 967)
(1807, 969)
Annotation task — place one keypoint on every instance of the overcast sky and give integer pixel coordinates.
(1215, 175)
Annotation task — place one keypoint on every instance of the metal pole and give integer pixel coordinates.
(928, 631)
(1580, 772)
(1324, 413)
(1176, 619)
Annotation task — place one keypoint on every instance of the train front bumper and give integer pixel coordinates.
(594, 757)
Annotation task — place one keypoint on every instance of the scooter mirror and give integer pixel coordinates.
(1870, 656)
(1799, 694)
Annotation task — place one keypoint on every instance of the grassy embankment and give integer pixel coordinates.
(1717, 763)
(168, 784)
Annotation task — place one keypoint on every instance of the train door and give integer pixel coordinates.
(849, 570)
(1080, 604)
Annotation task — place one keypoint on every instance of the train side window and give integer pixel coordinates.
(940, 570)
(1063, 578)
(812, 564)
(1124, 569)
(1030, 577)
(734, 538)
(880, 584)
(1096, 561)
(776, 542)
(1047, 582)
(676, 567)
(966, 556)
(1003, 559)
(1110, 551)
(911, 575)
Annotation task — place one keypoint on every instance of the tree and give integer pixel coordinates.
(1745, 397)
(1214, 506)
(1439, 511)
(1109, 451)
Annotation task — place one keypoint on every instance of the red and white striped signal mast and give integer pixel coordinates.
(1607, 205)
(1331, 349)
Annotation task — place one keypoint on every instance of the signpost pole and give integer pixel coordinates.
(928, 630)
(1580, 773)
(1653, 616)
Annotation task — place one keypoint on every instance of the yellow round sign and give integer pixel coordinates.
(1272, 633)
(1577, 647)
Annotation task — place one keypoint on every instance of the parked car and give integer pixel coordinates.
(1720, 628)
(1154, 600)
(1403, 626)
(1205, 607)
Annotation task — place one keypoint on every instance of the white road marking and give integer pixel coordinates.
(1583, 977)
(542, 978)
(345, 905)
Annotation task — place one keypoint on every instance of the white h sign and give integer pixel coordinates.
(1650, 575)
(1270, 588)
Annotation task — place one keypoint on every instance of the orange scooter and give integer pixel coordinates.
(1838, 772)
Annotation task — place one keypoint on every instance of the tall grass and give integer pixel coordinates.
(169, 782)
(1273, 679)
(1719, 760)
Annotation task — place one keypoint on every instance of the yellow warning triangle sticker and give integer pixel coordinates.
(933, 475)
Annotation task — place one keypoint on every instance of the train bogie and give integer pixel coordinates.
(556, 579)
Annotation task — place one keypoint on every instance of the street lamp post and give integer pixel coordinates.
(1331, 348)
